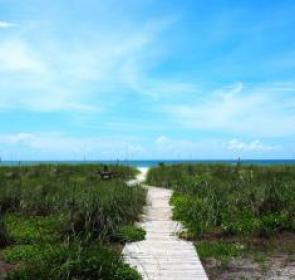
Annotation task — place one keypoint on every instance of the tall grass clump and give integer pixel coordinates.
(232, 200)
(3, 232)
(62, 220)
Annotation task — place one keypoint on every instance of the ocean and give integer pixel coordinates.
(151, 163)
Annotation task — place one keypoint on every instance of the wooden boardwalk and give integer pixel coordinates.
(162, 255)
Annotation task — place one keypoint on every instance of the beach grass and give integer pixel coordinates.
(233, 211)
(229, 199)
(61, 221)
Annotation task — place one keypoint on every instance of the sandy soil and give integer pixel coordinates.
(276, 267)
(276, 263)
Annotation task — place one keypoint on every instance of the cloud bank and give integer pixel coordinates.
(259, 111)
(147, 79)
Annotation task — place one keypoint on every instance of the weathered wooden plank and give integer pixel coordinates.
(162, 255)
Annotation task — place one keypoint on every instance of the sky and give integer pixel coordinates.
(112, 79)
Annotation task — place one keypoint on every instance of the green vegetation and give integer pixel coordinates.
(130, 233)
(61, 221)
(232, 210)
(220, 250)
(3, 232)
(231, 200)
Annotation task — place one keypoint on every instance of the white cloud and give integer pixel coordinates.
(16, 138)
(5, 24)
(54, 76)
(161, 140)
(255, 145)
(16, 56)
(256, 111)
(219, 148)
(55, 145)
(133, 77)
(181, 148)
(172, 147)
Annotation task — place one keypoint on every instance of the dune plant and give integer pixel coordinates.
(3, 233)
(62, 219)
(239, 200)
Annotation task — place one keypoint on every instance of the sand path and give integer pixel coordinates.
(162, 255)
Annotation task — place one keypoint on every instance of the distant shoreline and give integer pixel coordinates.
(150, 163)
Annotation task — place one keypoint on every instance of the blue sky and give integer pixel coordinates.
(147, 79)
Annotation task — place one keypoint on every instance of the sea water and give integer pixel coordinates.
(151, 163)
